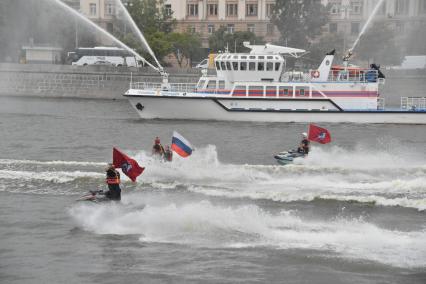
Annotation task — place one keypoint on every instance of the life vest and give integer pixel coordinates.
(113, 177)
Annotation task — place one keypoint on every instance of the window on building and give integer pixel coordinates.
(332, 27)
(382, 9)
(92, 9)
(334, 9)
(269, 29)
(400, 27)
(230, 28)
(356, 7)
(191, 29)
(109, 9)
(354, 28)
(210, 28)
(251, 10)
(251, 28)
(192, 10)
(168, 9)
(212, 9)
(401, 7)
(269, 9)
(231, 10)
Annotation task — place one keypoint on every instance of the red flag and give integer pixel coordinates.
(129, 166)
(318, 134)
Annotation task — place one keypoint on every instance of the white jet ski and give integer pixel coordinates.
(287, 157)
(94, 196)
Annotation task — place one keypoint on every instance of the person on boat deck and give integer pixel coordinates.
(157, 149)
(168, 154)
(304, 144)
(113, 181)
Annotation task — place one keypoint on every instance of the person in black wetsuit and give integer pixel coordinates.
(304, 144)
(113, 181)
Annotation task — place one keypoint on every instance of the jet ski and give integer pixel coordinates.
(287, 157)
(94, 196)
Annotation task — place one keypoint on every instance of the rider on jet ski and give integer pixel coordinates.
(304, 144)
(113, 181)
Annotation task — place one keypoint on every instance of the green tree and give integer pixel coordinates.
(323, 45)
(299, 21)
(221, 39)
(185, 47)
(151, 16)
(378, 45)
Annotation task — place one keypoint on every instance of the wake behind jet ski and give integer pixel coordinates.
(94, 196)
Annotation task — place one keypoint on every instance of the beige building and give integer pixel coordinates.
(207, 16)
(102, 12)
(349, 16)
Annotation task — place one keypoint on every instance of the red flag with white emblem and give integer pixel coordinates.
(128, 166)
(319, 134)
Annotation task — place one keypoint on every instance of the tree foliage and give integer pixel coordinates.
(150, 16)
(299, 21)
(323, 45)
(378, 45)
(221, 39)
(185, 47)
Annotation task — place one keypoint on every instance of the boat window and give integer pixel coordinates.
(252, 57)
(252, 66)
(256, 91)
(277, 66)
(243, 57)
(260, 66)
(239, 91)
(217, 65)
(235, 57)
(271, 91)
(221, 84)
(284, 91)
(300, 91)
(228, 65)
(269, 66)
(243, 66)
(222, 64)
(270, 57)
(261, 57)
(201, 84)
(211, 85)
(229, 57)
(235, 65)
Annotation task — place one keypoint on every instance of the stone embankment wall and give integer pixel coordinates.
(79, 81)
(111, 82)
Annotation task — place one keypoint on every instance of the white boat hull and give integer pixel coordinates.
(223, 109)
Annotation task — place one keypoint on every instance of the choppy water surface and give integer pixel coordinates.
(352, 212)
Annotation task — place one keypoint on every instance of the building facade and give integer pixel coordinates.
(102, 12)
(206, 16)
(349, 16)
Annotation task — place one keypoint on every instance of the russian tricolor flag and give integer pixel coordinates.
(180, 145)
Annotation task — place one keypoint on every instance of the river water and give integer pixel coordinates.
(352, 212)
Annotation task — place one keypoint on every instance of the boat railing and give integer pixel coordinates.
(413, 103)
(350, 75)
(174, 87)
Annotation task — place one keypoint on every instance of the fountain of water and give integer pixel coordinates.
(364, 28)
(104, 32)
(135, 28)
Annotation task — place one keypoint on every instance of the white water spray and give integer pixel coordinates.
(367, 24)
(104, 32)
(139, 33)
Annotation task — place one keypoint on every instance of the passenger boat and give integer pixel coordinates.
(256, 86)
